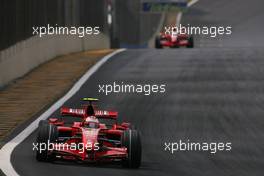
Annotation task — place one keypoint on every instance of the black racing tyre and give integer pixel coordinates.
(131, 140)
(46, 132)
(157, 43)
(190, 42)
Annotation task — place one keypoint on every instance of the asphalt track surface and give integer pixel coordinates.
(213, 93)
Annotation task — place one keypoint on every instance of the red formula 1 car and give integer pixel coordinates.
(88, 139)
(174, 41)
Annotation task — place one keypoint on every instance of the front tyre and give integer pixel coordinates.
(47, 133)
(131, 140)
(157, 43)
(190, 42)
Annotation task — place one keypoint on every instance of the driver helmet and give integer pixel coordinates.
(91, 122)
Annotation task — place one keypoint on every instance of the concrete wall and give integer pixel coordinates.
(135, 28)
(22, 57)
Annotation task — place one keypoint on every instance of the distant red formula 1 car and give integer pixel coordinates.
(174, 41)
(88, 140)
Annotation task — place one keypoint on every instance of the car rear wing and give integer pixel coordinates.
(106, 114)
(101, 114)
(72, 112)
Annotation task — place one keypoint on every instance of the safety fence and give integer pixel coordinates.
(17, 17)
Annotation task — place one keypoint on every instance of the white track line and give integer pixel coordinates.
(178, 19)
(179, 15)
(7, 149)
(192, 3)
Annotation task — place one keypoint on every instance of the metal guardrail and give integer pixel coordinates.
(17, 17)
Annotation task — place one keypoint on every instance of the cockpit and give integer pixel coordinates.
(91, 122)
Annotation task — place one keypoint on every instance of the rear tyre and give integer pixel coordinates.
(190, 42)
(157, 43)
(47, 133)
(131, 140)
